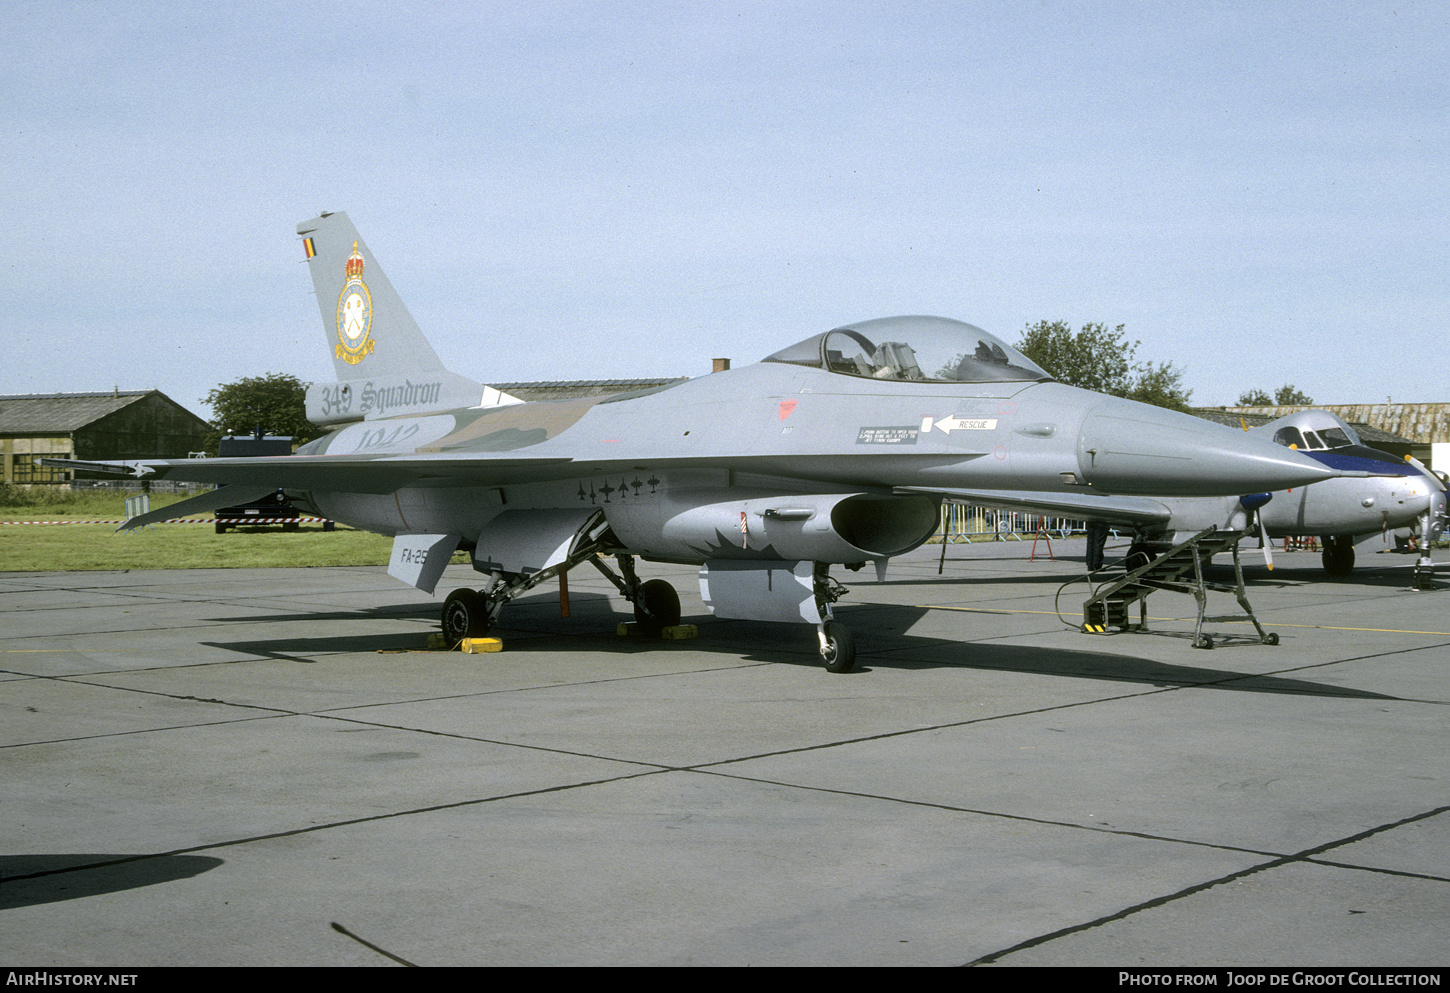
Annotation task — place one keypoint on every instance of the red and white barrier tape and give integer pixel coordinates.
(197, 520)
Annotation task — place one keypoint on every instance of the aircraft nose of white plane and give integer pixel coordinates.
(1133, 448)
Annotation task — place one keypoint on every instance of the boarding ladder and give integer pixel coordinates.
(1179, 570)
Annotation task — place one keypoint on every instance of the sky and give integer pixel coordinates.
(617, 189)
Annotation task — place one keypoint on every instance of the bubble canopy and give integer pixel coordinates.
(914, 349)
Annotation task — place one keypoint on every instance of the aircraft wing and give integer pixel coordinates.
(387, 473)
(1112, 509)
(352, 473)
(382, 473)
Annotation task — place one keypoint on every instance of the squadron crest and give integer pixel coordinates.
(354, 313)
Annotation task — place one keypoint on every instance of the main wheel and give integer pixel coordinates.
(1138, 556)
(465, 615)
(1338, 556)
(840, 652)
(658, 607)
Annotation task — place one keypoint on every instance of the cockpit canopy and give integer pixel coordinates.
(1313, 431)
(914, 349)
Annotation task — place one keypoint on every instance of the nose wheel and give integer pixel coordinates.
(838, 647)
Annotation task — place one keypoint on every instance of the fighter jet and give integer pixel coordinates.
(836, 450)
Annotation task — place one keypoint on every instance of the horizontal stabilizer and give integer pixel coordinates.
(226, 496)
(111, 468)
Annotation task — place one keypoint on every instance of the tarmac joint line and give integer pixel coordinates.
(368, 944)
(1307, 855)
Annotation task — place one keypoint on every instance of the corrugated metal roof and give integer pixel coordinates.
(61, 413)
(1368, 433)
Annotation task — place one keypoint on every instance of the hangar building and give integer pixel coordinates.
(122, 424)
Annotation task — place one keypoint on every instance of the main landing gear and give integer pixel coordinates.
(657, 608)
(767, 593)
(1338, 556)
(656, 604)
(467, 614)
(471, 613)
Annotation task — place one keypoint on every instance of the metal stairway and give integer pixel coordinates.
(1178, 570)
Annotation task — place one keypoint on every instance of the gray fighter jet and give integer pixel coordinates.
(836, 450)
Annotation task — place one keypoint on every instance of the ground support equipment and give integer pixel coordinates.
(1179, 570)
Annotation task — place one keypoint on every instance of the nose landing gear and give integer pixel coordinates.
(838, 647)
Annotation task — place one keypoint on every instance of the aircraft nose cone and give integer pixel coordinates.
(1133, 448)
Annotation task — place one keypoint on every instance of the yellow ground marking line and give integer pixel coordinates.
(1330, 627)
(1226, 620)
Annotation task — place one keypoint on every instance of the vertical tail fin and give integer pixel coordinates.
(384, 363)
(369, 330)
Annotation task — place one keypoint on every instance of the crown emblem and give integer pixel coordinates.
(354, 313)
(354, 268)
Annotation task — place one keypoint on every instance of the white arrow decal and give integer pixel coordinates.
(947, 425)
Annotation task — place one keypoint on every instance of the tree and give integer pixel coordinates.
(1101, 360)
(1162, 386)
(1286, 396)
(276, 401)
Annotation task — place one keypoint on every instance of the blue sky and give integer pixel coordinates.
(575, 190)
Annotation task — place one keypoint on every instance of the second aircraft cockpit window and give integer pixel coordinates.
(1313, 441)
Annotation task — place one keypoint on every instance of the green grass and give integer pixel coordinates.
(54, 547)
(46, 503)
(65, 547)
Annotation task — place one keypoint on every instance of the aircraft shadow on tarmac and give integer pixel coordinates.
(28, 880)
(884, 642)
(889, 647)
(1391, 575)
(1394, 574)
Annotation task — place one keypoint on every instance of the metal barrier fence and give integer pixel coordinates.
(963, 522)
(137, 486)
